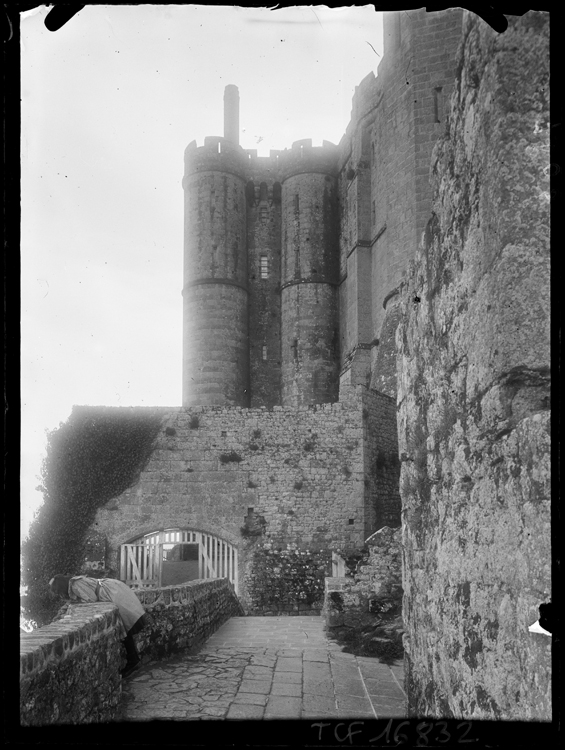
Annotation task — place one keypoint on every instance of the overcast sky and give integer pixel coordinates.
(109, 103)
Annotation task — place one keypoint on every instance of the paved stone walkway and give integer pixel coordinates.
(266, 668)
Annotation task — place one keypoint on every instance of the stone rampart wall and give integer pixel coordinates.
(474, 421)
(300, 471)
(70, 669)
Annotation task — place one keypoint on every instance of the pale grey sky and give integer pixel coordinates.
(109, 103)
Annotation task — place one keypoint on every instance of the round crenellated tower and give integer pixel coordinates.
(309, 275)
(215, 294)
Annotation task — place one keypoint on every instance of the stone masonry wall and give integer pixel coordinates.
(183, 616)
(264, 240)
(309, 323)
(300, 473)
(384, 370)
(474, 393)
(215, 310)
(70, 670)
(374, 585)
(418, 59)
(369, 601)
(382, 466)
(384, 190)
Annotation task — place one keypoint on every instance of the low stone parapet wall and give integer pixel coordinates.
(182, 617)
(70, 669)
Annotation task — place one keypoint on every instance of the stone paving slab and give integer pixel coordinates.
(266, 668)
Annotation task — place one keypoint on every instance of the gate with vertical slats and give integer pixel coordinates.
(141, 562)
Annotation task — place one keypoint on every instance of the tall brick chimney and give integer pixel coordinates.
(231, 114)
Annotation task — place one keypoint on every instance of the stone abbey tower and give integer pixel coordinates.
(366, 344)
(261, 273)
(291, 260)
(293, 270)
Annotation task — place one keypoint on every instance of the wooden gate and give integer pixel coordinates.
(141, 562)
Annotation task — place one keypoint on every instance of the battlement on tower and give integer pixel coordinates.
(262, 165)
(304, 158)
(221, 154)
(217, 154)
(365, 96)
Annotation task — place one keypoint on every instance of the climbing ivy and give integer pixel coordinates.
(91, 458)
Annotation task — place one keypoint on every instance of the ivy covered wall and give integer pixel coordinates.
(267, 481)
(91, 458)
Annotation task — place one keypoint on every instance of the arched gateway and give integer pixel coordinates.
(174, 556)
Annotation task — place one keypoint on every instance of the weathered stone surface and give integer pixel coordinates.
(384, 370)
(201, 607)
(321, 476)
(474, 393)
(385, 193)
(289, 258)
(365, 607)
(70, 671)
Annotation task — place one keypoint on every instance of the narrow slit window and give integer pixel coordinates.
(264, 267)
(438, 104)
(265, 352)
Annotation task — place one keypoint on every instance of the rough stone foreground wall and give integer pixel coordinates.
(474, 394)
(301, 471)
(70, 670)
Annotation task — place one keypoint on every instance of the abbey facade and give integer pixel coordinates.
(292, 261)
